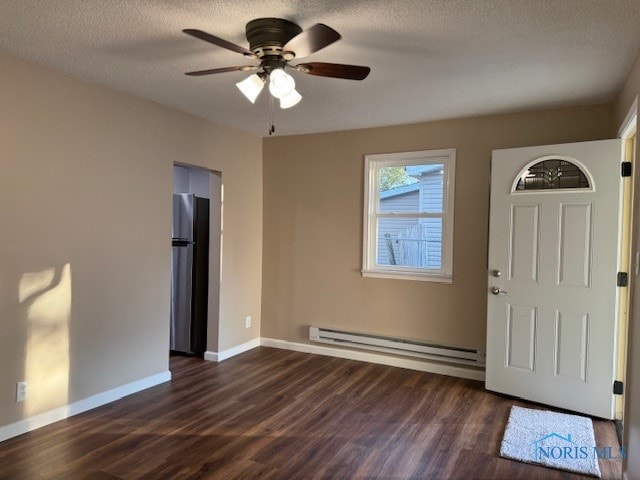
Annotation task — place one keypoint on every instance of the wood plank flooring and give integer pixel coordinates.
(276, 414)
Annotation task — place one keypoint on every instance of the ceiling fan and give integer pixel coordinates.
(275, 42)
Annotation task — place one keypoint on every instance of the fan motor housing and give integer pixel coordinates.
(267, 36)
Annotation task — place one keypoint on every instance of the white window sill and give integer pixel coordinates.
(399, 275)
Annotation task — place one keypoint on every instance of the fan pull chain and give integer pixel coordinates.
(272, 128)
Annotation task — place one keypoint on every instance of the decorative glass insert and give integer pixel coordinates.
(552, 174)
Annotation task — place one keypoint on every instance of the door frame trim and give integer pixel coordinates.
(630, 121)
(626, 259)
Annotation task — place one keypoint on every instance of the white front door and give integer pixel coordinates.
(553, 249)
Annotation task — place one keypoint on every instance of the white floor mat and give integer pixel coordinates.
(551, 439)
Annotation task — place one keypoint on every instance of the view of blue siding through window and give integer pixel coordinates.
(405, 240)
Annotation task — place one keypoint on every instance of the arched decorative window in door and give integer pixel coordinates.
(553, 174)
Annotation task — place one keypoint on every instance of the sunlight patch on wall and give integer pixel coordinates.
(32, 283)
(48, 312)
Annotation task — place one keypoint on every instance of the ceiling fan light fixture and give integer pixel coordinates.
(281, 83)
(251, 87)
(275, 42)
(290, 100)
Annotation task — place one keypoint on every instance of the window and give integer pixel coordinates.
(408, 218)
(552, 174)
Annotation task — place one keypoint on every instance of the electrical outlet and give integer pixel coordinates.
(247, 321)
(21, 392)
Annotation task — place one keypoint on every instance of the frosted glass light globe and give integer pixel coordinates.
(251, 87)
(290, 100)
(281, 83)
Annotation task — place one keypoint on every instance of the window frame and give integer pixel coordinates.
(373, 163)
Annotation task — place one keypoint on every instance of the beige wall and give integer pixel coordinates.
(631, 438)
(85, 216)
(313, 195)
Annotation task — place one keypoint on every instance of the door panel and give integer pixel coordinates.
(571, 341)
(523, 245)
(574, 245)
(521, 337)
(551, 307)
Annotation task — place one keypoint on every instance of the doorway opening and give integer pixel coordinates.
(195, 260)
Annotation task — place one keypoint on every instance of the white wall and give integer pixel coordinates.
(180, 179)
(192, 180)
(200, 182)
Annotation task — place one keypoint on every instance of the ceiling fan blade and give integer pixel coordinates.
(334, 70)
(312, 40)
(207, 37)
(244, 68)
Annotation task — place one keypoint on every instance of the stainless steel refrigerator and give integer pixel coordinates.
(190, 274)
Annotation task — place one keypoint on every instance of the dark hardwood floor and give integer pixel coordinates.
(277, 414)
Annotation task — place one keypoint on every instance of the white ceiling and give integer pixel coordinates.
(430, 59)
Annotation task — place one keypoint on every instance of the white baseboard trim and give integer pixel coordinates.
(75, 408)
(421, 365)
(231, 352)
(211, 356)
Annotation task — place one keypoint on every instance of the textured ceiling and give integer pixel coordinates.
(430, 59)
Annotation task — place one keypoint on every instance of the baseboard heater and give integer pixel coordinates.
(399, 346)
